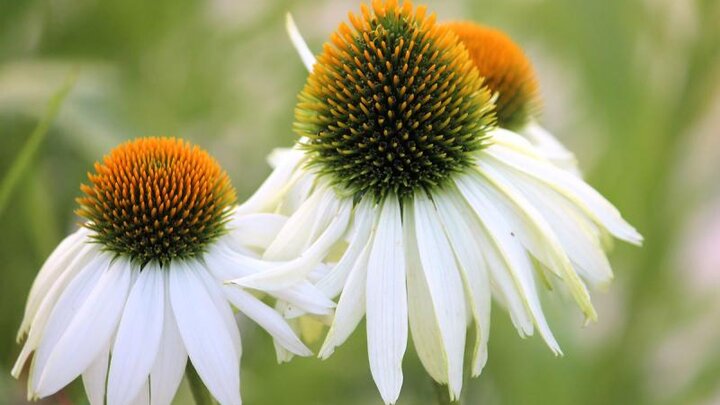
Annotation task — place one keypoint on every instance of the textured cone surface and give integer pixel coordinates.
(394, 104)
(156, 199)
(506, 70)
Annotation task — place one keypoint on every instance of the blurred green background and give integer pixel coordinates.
(632, 86)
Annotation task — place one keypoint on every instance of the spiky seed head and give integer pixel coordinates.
(156, 199)
(393, 104)
(506, 69)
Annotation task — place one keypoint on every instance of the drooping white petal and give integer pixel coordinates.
(576, 232)
(285, 274)
(138, 336)
(445, 286)
(95, 377)
(215, 290)
(424, 326)
(255, 230)
(533, 231)
(461, 227)
(268, 319)
(519, 156)
(351, 306)
(363, 222)
(54, 266)
(89, 330)
(205, 334)
(387, 313)
(84, 258)
(306, 297)
(504, 253)
(169, 367)
(550, 147)
(297, 40)
(270, 191)
(143, 396)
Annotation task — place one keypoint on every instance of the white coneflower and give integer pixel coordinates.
(125, 300)
(401, 179)
(506, 71)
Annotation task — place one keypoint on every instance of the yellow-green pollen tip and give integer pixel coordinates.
(156, 199)
(394, 104)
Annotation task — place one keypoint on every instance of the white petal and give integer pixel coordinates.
(551, 148)
(363, 222)
(171, 359)
(306, 297)
(445, 286)
(569, 186)
(90, 329)
(95, 376)
(50, 300)
(54, 266)
(506, 255)
(255, 230)
(303, 50)
(268, 319)
(143, 396)
(461, 228)
(387, 317)
(205, 334)
(272, 189)
(138, 336)
(285, 274)
(533, 231)
(351, 306)
(424, 326)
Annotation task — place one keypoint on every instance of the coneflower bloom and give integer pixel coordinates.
(127, 298)
(426, 210)
(507, 73)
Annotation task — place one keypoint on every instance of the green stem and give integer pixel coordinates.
(443, 395)
(200, 393)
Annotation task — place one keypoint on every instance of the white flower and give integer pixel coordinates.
(125, 300)
(425, 210)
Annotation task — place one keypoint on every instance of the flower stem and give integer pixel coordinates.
(443, 395)
(200, 393)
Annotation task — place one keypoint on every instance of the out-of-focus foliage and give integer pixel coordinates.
(632, 86)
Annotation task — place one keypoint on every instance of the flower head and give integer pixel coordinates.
(506, 69)
(393, 105)
(125, 300)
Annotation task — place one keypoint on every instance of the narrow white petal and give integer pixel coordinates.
(215, 290)
(138, 336)
(285, 274)
(504, 253)
(171, 359)
(351, 306)
(461, 228)
(298, 232)
(143, 396)
(95, 376)
(551, 148)
(569, 186)
(445, 286)
(255, 230)
(303, 50)
(533, 231)
(424, 325)
(54, 266)
(268, 319)
(306, 297)
(363, 222)
(205, 334)
(50, 300)
(387, 316)
(272, 189)
(90, 329)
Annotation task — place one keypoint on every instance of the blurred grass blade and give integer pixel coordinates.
(20, 165)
